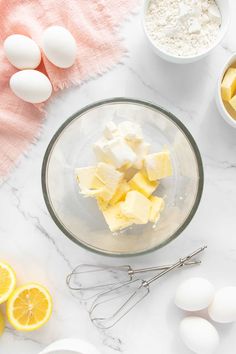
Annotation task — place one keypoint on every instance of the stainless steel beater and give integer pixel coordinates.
(92, 280)
(112, 300)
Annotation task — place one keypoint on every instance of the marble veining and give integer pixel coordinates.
(38, 251)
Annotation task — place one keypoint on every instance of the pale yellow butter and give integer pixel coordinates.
(87, 179)
(158, 165)
(120, 193)
(111, 179)
(232, 103)
(102, 204)
(136, 207)
(141, 183)
(156, 207)
(115, 218)
(228, 85)
(90, 185)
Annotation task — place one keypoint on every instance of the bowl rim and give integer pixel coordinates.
(148, 104)
(186, 59)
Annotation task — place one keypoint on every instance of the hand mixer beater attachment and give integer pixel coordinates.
(116, 296)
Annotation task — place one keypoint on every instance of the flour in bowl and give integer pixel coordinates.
(183, 27)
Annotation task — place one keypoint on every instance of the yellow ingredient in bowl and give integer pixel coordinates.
(228, 85)
(137, 207)
(87, 179)
(158, 165)
(2, 324)
(141, 183)
(230, 110)
(156, 208)
(120, 193)
(232, 103)
(124, 195)
(111, 178)
(115, 219)
(102, 204)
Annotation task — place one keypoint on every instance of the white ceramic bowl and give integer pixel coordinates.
(219, 102)
(225, 13)
(70, 346)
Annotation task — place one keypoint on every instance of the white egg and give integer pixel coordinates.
(194, 294)
(31, 86)
(223, 306)
(59, 46)
(199, 335)
(22, 52)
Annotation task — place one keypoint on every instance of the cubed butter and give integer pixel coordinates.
(228, 86)
(120, 193)
(119, 152)
(88, 182)
(98, 149)
(130, 131)
(158, 165)
(156, 207)
(102, 204)
(136, 207)
(111, 179)
(110, 130)
(141, 183)
(232, 103)
(141, 149)
(115, 219)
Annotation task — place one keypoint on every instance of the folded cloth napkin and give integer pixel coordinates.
(94, 25)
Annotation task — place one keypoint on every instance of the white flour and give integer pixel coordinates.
(183, 27)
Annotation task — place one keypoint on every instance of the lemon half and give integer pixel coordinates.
(7, 281)
(29, 307)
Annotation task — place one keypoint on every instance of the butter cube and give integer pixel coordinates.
(158, 165)
(141, 183)
(111, 178)
(228, 86)
(102, 204)
(120, 193)
(141, 149)
(98, 149)
(130, 131)
(136, 207)
(115, 218)
(232, 103)
(110, 130)
(119, 152)
(156, 208)
(89, 184)
(129, 173)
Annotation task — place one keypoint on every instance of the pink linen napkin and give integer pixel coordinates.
(94, 25)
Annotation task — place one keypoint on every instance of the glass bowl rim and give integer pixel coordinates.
(148, 104)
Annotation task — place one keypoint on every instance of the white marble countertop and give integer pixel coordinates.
(38, 250)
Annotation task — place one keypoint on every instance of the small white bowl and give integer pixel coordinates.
(219, 102)
(225, 14)
(70, 346)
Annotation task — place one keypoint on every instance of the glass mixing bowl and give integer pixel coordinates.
(79, 218)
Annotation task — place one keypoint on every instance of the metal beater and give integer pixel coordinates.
(113, 299)
(91, 280)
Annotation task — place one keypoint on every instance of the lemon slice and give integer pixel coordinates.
(2, 324)
(7, 281)
(29, 307)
